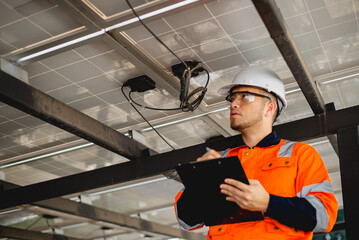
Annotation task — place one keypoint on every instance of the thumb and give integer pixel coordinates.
(253, 182)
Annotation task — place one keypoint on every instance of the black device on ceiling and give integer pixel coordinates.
(184, 71)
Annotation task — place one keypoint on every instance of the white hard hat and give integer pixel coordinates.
(261, 77)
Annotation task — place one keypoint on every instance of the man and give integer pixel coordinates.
(288, 180)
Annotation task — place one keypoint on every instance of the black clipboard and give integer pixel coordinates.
(202, 179)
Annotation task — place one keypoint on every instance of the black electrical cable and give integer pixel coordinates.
(151, 108)
(48, 224)
(123, 92)
(104, 234)
(32, 224)
(186, 105)
(154, 35)
(183, 103)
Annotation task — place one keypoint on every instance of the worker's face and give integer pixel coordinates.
(247, 110)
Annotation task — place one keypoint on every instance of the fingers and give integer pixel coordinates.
(233, 190)
(233, 195)
(237, 184)
(211, 154)
(252, 197)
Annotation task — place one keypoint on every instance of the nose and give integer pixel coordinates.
(235, 104)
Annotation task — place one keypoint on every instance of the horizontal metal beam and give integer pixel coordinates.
(99, 214)
(304, 129)
(17, 233)
(37, 103)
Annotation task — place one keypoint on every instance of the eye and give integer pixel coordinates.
(249, 97)
(230, 97)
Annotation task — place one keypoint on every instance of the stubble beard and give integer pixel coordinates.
(241, 124)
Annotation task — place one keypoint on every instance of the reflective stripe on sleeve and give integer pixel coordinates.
(321, 212)
(286, 149)
(186, 226)
(324, 186)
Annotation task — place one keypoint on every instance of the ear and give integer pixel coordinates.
(271, 109)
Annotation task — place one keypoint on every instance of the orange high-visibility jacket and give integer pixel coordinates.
(301, 196)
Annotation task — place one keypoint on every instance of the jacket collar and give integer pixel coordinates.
(269, 140)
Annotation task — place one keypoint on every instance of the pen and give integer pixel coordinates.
(223, 154)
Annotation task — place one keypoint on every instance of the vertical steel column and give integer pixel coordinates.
(348, 143)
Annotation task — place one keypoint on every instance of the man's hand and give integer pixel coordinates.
(211, 154)
(252, 197)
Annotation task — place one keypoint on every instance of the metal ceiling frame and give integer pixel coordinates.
(347, 138)
(162, 77)
(92, 23)
(324, 123)
(133, 54)
(18, 94)
(103, 23)
(157, 123)
(92, 213)
(148, 65)
(304, 129)
(122, 220)
(127, 50)
(281, 35)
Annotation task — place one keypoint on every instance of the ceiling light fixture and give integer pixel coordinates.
(74, 225)
(292, 91)
(10, 211)
(127, 186)
(151, 14)
(62, 45)
(326, 82)
(104, 30)
(339, 79)
(46, 155)
(49, 154)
